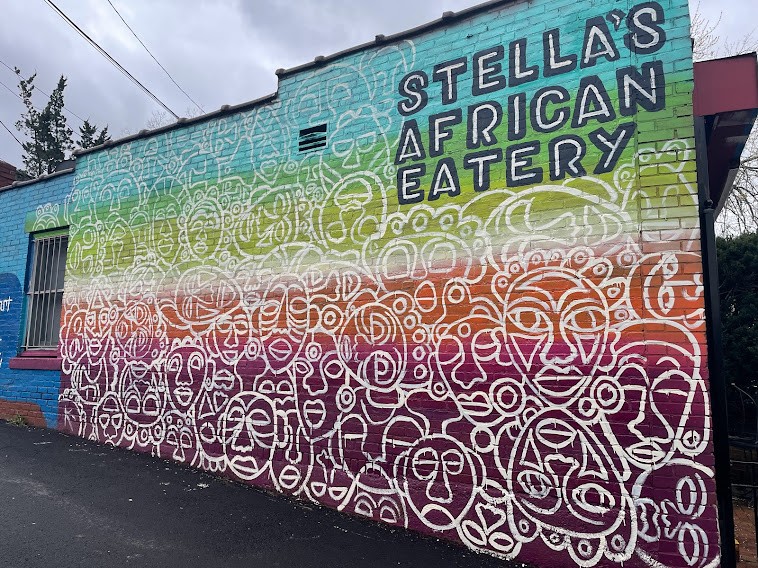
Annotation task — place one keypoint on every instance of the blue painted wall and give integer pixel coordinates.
(31, 206)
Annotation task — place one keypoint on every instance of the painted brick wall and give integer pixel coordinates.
(7, 174)
(476, 313)
(27, 208)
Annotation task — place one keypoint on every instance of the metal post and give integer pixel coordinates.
(715, 351)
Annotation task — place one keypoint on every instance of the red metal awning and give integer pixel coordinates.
(726, 95)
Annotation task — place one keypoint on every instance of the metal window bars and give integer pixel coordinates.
(45, 293)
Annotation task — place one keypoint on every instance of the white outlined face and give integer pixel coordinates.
(249, 434)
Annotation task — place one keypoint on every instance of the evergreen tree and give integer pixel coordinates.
(60, 143)
(49, 138)
(89, 137)
(738, 290)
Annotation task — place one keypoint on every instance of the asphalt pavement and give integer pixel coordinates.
(67, 502)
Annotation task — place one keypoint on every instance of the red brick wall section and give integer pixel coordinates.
(30, 412)
(7, 174)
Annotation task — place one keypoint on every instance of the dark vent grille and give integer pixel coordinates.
(313, 138)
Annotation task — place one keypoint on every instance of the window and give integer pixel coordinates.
(45, 292)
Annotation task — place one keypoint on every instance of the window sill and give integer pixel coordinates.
(37, 361)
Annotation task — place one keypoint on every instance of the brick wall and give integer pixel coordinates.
(7, 174)
(29, 207)
(476, 312)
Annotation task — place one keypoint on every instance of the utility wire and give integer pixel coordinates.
(154, 58)
(14, 93)
(108, 56)
(11, 133)
(11, 91)
(72, 113)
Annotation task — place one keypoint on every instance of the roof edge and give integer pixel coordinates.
(181, 123)
(41, 178)
(446, 19)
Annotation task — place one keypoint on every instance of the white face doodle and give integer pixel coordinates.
(568, 490)
(283, 319)
(557, 324)
(659, 384)
(519, 368)
(373, 347)
(374, 496)
(433, 474)
(358, 142)
(204, 228)
(209, 410)
(186, 369)
(249, 434)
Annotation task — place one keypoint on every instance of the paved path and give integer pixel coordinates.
(66, 503)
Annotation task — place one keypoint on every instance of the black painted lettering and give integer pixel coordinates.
(541, 122)
(611, 145)
(598, 42)
(645, 35)
(483, 119)
(592, 103)
(517, 116)
(440, 130)
(408, 183)
(445, 180)
(519, 71)
(447, 74)
(519, 162)
(648, 88)
(554, 62)
(487, 69)
(410, 146)
(566, 154)
(480, 163)
(412, 87)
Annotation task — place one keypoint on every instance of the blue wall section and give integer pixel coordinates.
(17, 205)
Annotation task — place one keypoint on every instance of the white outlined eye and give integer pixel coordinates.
(535, 484)
(452, 461)
(530, 320)
(425, 464)
(586, 319)
(593, 498)
(174, 364)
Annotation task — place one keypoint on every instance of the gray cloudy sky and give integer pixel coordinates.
(220, 51)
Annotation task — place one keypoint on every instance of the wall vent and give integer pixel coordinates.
(313, 138)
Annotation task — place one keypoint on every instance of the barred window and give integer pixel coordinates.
(45, 292)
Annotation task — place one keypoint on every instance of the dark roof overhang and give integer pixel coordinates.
(726, 96)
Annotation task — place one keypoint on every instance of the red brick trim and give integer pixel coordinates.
(35, 363)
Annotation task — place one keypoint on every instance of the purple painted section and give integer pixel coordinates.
(35, 363)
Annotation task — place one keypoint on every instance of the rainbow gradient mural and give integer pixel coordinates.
(450, 281)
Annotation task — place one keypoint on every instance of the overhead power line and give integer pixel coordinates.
(154, 58)
(108, 56)
(11, 133)
(14, 93)
(72, 113)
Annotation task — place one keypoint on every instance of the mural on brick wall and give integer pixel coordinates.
(451, 283)
(10, 312)
(28, 207)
